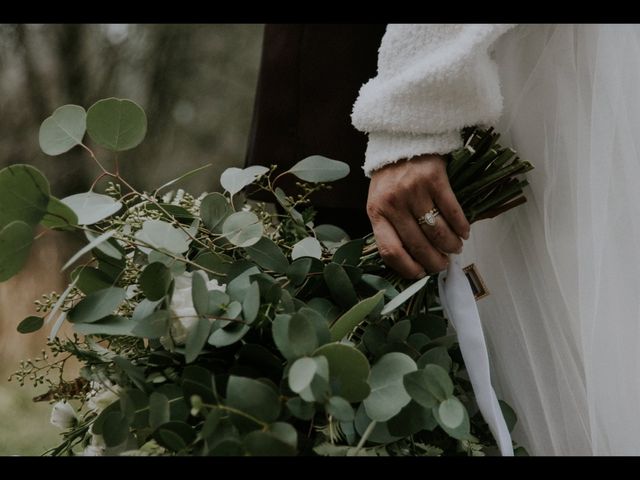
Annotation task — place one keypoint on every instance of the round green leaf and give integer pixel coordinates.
(97, 305)
(30, 324)
(214, 209)
(268, 255)
(197, 339)
(163, 236)
(509, 415)
(63, 130)
(116, 124)
(307, 247)
(400, 331)
(174, 435)
(349, 253)
(438, 356)
(388, 394)
(91, 207)
(429, 385)
(251, 303)
(302, 335)
(235, 179)
(340, 285)
(59, 216)
(228, 336)
(348, 370)
(451, 412)
(261, 444)
(110, 325)
(380, 433)
(15, 244)
(155, 325)
(159, 411)
(462, 431)
(317, 168)
(301, 409)
(242, 229)
(340, 409)
(115, 429)
(253, 398)
(155, 280)
(330, 233)
(285, 432)
(24, 195)
(301, 374)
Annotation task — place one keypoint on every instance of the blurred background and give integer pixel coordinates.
(196, 84)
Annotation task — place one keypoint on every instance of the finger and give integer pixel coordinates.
(440, 234)
(392, 251)
(450, 209)
(417, 244)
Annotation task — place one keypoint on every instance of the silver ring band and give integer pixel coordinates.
(429, 218)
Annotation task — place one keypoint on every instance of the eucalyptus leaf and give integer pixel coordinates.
(400, 331)
(354, 316)
(462, 431)
(301, 409)
(155, 325)
(197, 339)
(115, 429)
(438, 356)
(348, 370)
(214, 209)
(110, 325)
(268, 255)
(164, 236)
(307, 247)
(298, 270)
(380, 284)
(243, 229)
(388, 395)
(91, 207)
(15, 244)
(405, 295)
(260, 444)
(223, 337)
(30, 324)
(330, 233)
(349, 253)
(116, 124)
(317, 168)
(451, 412)
(87, 248)
(200, 293)
(159, 411)
(234, 179)
(301, 373)
(253, 398)
(429, 385)
(340, 285)
(174, 436)
(340, 409)
(97, 305)
(63, 130)
(59, 216)
(155, 281)
(24, 195)
(251, 303)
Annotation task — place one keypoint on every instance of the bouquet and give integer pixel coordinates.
(214, 325)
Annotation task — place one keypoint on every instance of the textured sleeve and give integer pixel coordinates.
(432, 81)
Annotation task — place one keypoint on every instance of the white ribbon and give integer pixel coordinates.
(459, 304)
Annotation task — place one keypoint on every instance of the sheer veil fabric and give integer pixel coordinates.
(563, 318)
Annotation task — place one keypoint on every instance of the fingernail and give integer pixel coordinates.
(459, 251)
(466, 235)
(421, 275)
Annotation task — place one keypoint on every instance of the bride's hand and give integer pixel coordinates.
(399, 194)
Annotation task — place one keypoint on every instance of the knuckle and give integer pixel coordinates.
(374, 210)
(389, 252)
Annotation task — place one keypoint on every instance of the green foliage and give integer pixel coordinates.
(220, 328)
(63, 130)
(116, 124)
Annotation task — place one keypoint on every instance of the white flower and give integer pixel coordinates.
(96, 448)
(103, 398)
(185, 316)
(63, 415)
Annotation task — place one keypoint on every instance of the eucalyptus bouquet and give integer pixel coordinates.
(214, 325)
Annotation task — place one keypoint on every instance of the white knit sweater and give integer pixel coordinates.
(432, 81)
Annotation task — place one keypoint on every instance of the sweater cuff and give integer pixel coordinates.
(385, 148)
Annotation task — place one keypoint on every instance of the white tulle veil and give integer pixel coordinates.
(563, 318)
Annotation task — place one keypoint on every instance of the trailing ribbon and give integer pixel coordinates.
(459, 304)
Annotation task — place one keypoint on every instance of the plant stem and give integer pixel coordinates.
(365, 436)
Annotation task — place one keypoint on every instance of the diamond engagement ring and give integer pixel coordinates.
(429, 218)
